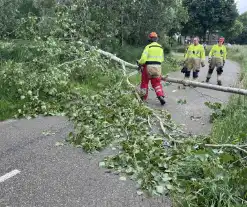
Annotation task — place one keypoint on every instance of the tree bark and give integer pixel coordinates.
(206, 85)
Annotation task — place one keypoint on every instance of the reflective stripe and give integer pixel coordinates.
(218, 53)
(155, 46)
(194, 58)
(155, 57)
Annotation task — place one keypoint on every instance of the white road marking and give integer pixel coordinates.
(9, 175)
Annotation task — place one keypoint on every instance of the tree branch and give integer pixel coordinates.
(239, 147)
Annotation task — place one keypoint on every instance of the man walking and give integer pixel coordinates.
(151, 60)
(195, 56)
(217, 58)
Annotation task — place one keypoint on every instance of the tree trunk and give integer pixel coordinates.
(175, 80)
(122, 37)
(206, 85)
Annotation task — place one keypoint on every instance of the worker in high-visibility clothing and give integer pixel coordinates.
(195, 56)
(217, 58)
(151, 60)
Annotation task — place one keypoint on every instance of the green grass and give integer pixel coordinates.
(8, 109)
(178, 56)
(233, 126)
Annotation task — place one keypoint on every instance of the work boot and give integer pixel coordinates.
(162, 100)
(207, 80)
(219, 80)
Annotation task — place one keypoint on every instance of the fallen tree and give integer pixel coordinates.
(208, 86)
(178, 81)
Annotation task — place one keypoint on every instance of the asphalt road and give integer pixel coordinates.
(52, 176)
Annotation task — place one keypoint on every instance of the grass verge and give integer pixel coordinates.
(232, 127)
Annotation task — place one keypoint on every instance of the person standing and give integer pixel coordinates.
(217, 58)
(151, 59)
(194, 58)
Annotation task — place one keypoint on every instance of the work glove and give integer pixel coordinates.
(184, 69)
(209, 60)
(139, 66)
(137, 62)
(164, 78)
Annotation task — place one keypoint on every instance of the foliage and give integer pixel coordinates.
(104, 117)
(39, 75)
(234, 31)
(130, 19)
(241, 38)
(209, 16)
(218, 110)
(108, 24)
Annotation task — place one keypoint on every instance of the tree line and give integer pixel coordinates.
(115, 23)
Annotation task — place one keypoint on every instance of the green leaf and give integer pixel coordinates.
(122, 178)
(169, 186)
(225, 158)
(102, 164)
(160, 189)
(139, 193)
(59, 144)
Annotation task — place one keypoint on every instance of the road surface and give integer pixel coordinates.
(52, 176)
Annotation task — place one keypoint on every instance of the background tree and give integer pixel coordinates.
(242, 37)
(109, 24)
(209, 16)
(234, 31)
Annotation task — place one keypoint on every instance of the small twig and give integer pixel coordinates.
(97, 131)
(224, 145)
(149, 123)
(127, 134)
(132, 86)
(72, 61)
(239, 147)
(243, 158)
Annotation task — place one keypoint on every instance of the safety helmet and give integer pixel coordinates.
(221, 39)
(153, 35)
